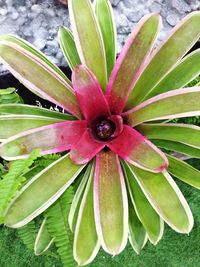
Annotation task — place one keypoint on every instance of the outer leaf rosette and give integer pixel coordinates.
(112, 142)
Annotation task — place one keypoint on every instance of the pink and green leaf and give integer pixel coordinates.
(23, 109)
(88, 38)
(85, 148)
(186, 71)
(89, 94)
(105, 17)
(176, 132)
(75, 206)
(68, 46)
(111, 205)
(184, 171)
(166, 56)
(30, 48)
(136, 149)
(151, 221)
(132, 61)
(86, 244)
(166, 198)
(38, 76)
(171, 105)
(14, 124)
(41, 192)
(43, 240)
(54, 138)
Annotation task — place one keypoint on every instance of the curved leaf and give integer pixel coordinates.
(136, 149)
(86, 244)
(131, 61)
(74, 210)
(12, 125)
(68, 47)
(166, 56)
(26, 45)
(177, 132)
(107, 25)
(137, 233)
(38, 76)
(22, 109)
(41, 191)
(150, 219)
(171, 105)
(186, 71)
(184, 171)
(43, 240)
(110, 200)
(53, 138)
(178, 147)
(88, 38)
(166, 198)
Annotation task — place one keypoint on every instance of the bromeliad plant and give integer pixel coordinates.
(124, 189)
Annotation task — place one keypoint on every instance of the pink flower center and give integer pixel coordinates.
(104, 129)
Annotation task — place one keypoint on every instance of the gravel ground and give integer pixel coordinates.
(38, 20)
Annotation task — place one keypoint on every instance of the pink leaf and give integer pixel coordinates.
(132, 61)
(89, 94)
(85, 149)
(54, 138)
(136, 149)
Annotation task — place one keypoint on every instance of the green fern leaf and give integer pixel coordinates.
(28, 234)
(47, 160)
(58, 227)
(9, 95)
(13, 180)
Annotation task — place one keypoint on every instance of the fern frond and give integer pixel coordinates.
(58, 227)
(9, 95)
(47, 160)
(28, 234)
(13, 180)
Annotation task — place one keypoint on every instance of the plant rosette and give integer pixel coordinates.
(113, 136)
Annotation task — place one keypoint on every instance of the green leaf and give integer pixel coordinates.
(58, 227)
(177, 132)
(68, 46)
(186, 71)
(86, 244)
(131, 61)
(149, 218)
(88, 38)
(42, 191)
(11, 125)
(74, 210)
(107, 25)
(24, 44)
(110, 200)
(22, 109)
(28, 234)
(13, 180)
(166, 56)
(38, 76)
(178, 147)
(178, 103)
(137, 233)
(166, 198)
(9, 95)
(43, 240)
(184, 171)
